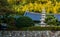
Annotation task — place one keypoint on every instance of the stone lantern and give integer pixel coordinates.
(43, 16)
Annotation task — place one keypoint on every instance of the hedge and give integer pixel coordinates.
(38, 28)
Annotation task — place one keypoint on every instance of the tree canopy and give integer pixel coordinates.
(20, 6)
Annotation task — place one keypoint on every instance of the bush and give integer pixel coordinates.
(24, 22)
(11, 21)
(16, 21)
(51, 20)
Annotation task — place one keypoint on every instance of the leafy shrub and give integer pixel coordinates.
(17, 21)
(24, 22)
(51, 20)
(11, 21)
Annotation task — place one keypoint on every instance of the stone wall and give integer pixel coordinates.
(29, 34)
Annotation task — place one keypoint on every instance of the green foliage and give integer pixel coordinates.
(51, 20)
(39, 28)
(3, 2)
(58, 0)
(59, 10)
(5, 7)
(24, 22)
